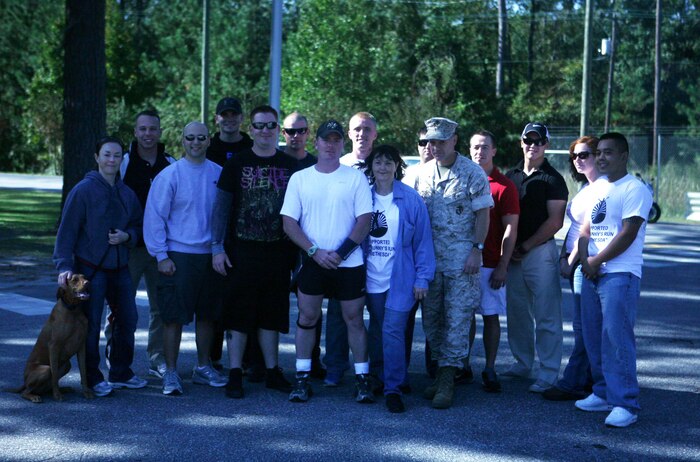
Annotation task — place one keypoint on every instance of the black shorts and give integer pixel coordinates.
(341, 283)
(191, 290)
(258, 295)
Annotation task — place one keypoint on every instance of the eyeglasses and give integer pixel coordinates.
(423, 143)
(537, 142)
(199, 137)
(583, 155)
(295, 131)
(261, 125)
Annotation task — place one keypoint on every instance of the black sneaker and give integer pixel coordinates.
(557, 394)
(464, 376)
(363, 389)
(394, 403)
(490, 381)
(234, 387)
(302, 390)
(276, 381)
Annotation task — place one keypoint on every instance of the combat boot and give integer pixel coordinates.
(445, 387)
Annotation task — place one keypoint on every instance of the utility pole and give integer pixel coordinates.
(502, 46)
(586, 81)
(611, 71)
(276, 54)
(204, 109)
(657, 86)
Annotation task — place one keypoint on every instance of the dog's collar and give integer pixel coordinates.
(70, 306)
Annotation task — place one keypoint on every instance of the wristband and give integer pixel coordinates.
(346, 248)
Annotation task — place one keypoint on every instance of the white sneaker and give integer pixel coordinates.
(102, 389)
(593, 404)
(620, 418)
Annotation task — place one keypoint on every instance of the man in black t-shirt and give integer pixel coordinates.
(255, 249)
(295, 129)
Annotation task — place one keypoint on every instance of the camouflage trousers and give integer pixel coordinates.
(447, 315)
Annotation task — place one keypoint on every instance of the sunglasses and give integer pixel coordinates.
(295, 131)
(199, 137)
(422, 143)
(583, 155)
(261, 125)
(538, 142)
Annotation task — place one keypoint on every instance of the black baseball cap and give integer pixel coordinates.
(328, 127)
(229, 104)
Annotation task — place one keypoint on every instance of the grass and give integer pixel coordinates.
(28, 220)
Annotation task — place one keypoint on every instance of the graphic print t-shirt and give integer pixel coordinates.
(383, 235)
(258, 185)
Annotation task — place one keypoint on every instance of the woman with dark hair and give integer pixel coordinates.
(577, 375)
(101, 220)
(400, 264)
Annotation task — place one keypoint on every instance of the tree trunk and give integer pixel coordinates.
(84, 88)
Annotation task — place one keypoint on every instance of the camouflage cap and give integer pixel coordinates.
(440, 128)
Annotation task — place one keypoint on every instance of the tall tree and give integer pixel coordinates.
(84, 89)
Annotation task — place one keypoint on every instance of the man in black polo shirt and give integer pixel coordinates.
(533, 289)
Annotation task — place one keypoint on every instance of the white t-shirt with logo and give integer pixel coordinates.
(383, 235)
(612, 203)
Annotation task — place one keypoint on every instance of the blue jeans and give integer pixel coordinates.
(386, 342)
(117, 289)
(337, 357)
(608, 314)
(375, 306)
(578, 370)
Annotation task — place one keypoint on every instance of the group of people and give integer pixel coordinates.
(219, 235)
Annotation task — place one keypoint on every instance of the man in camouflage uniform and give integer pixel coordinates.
(457, 193)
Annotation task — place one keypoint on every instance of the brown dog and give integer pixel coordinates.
(62, 336)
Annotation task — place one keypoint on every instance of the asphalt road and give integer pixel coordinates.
(513, 425)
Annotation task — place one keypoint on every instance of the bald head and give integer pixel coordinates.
(195, 140)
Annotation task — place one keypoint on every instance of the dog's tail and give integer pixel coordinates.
(17, 390)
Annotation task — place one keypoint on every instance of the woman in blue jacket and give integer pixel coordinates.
(400, 264)
(101, 220)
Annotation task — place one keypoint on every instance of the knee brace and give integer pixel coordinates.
(305, 327)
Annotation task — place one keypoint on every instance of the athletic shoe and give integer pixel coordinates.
(394, 403)
(275, 380)
(593, 403)
(620, 418)
(490, 381)
(234, 387)
(133, 383)
(157, 370)
(102, 389)
(332, 379)
(464, 376)
(302, 390)
(539, 386)
(172, 383)
(363, 389)
(207, 375)
(557, 394)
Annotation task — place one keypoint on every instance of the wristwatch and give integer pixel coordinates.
(312, 250)
(479, 246)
